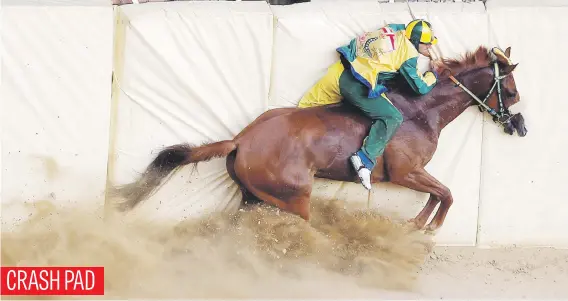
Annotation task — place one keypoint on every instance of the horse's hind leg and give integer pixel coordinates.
(247, 197)
(298, 203)
(288, 191)
(421, 180)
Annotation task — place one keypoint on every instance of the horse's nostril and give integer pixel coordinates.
(522, 131)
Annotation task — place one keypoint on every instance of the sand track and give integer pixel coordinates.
(265, 253)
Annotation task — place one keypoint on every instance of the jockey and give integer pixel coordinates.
(359, 77)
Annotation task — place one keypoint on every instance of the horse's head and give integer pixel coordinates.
(497, 91)
(504, 94)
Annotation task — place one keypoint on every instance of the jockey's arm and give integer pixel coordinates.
(421, 84)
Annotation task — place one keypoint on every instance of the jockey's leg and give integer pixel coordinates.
(386, 120)
(326, 90)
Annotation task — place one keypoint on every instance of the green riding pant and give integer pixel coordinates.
(386, 117)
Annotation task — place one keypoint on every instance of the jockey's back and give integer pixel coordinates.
(378, 56)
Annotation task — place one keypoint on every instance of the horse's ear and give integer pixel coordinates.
(508, 52)
(502, 57)
(509, 68)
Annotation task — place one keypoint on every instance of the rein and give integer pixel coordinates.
(503, 112)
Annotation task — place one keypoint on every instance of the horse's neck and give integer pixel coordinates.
(451, 101)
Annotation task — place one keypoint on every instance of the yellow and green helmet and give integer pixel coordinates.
(420, 31)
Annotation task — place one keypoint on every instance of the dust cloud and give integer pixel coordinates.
(259, 252)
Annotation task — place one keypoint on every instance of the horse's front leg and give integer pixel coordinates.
(421, 180)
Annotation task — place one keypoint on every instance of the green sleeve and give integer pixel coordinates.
(397, 27)
(421, 84)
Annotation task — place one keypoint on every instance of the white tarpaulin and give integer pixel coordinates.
(312, 41)
(56, 73)
(201, 71)
(524, 192)
(188, 72)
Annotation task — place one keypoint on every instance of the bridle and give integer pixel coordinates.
(503, 116)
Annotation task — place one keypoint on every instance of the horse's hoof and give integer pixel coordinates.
(431, 229)
(411, 224)
(417, 225)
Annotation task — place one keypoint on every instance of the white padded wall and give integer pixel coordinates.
(201, 71)
(56, 73)
(188, 72)
(524, 192)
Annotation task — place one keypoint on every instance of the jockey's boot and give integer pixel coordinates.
(363, 170)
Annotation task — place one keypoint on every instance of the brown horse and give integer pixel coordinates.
(275, 158)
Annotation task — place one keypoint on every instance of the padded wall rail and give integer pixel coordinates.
(189, 72)
(523, 195)
(201, 71)
(56, 75)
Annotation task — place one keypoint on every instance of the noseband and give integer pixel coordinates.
(503, 116)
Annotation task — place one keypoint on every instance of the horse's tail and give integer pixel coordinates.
(168, 160)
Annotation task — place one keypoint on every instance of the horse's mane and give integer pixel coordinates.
(479, 58)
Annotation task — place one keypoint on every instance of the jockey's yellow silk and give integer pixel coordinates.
(326, 90)
(374, 57)
(381, 54)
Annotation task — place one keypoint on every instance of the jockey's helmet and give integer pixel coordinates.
(420, 31)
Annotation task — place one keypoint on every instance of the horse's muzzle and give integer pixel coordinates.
(516, 123)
